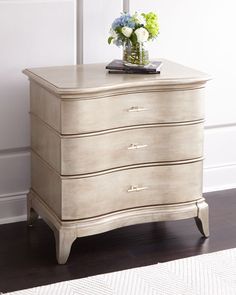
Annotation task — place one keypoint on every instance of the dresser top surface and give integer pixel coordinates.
(94, 77)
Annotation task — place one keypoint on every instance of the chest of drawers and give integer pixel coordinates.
(113, 150)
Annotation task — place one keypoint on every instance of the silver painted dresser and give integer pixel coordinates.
(111, 150)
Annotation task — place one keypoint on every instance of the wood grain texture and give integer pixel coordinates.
(81, 116)
(47, 185)
(93, 196)
(67, 231)
(45, 105)
(71, 155)
(46, 143)
(116, 219)
(92, 79)
(202, 219)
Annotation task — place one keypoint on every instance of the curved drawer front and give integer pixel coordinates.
(87, 197)
(75, 198)
(137, 146)
(82, 116)
(80, 155)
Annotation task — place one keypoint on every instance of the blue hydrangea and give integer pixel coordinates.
(125, 20)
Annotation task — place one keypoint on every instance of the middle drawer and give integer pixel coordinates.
(72, 155)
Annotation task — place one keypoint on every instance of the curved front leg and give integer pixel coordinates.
(202, 219)
(64, 239)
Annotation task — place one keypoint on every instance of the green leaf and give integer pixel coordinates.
(109, 40)
(119, 30)
(133, 38)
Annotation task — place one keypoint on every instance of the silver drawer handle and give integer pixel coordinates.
(137, 109)
(135, 188)
(135, 146)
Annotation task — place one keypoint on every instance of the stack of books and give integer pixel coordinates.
(117, 66)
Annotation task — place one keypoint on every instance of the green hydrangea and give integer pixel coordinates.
(151, 24)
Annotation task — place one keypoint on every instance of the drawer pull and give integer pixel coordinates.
(135, 188)
(135, 146)
(137, 109)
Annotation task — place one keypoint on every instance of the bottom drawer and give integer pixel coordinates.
(77, 198)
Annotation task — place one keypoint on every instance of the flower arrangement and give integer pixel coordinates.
(131, 31)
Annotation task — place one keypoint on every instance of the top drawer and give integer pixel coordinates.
(72, 116)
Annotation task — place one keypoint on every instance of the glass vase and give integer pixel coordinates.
(135, 54)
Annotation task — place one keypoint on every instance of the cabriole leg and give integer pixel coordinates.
(64, 240)
(202, 219)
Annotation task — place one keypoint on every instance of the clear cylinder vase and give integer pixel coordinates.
(135, 54)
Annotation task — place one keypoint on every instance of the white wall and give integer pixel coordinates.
(98, 16)
(32, 33)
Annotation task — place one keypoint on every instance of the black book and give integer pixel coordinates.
(118, 66)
